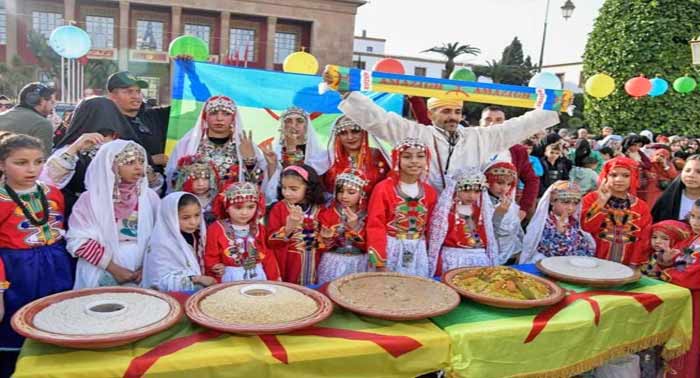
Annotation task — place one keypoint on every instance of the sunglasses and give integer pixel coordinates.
(6, 105)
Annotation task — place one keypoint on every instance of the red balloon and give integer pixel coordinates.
(638, 86)
(389, 65)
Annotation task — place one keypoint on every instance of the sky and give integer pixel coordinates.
(411, 26)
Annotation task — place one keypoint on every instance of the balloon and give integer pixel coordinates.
(600, 85)
(638, 86)
(545, 80)
(191, 46)
(684, 84)
(389, 65)
(70, 41)
(300, 62)
(463, 74)
(659, 86)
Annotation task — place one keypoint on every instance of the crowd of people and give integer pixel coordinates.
(105, 205)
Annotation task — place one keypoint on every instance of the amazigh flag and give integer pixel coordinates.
(343, 346)
(260, 95)
(583, 331)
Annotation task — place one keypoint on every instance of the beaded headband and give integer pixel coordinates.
(220, 103)
(241, 192)
(131, 153)
(199, 170)
(565, 191)
(410, 143)
(351, 179)
(345, 123)
(501, 171)
(472, 183)
(293, 111)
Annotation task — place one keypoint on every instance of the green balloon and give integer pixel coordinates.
(190, 46)
(463, 74)
(684, 84)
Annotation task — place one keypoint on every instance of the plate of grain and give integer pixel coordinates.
(588, 271)
(258, 307)
(97, 318)
(392, 296)
(504, 287)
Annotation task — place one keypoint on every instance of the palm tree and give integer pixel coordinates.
(452, 51)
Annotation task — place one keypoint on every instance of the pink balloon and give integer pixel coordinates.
(389, 65)
(638, 86)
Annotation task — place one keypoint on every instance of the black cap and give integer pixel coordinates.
(37, 89)
(124, 79)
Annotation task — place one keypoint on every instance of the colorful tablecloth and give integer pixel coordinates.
(345, 345)
(587, 328)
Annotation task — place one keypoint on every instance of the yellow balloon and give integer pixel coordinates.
(600, 85)
(300, 62)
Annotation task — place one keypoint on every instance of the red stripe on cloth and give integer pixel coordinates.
(140, 365)
(394, 345)
(649, 301)
(276, 348)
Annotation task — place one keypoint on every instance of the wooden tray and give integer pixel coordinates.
(597, 283)
(557, 293)
(22, 320)
(325, 309)
(334, 292)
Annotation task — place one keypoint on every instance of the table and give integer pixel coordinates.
(589, 327)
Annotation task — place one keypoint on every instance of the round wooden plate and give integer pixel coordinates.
(324, 310)
(557, 293)
(22, 320)
(592, 282)
(335, 292)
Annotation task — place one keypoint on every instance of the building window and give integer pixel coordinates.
(285, 44)
(149, 35)
(370, 49)
(242, 44)
(153, 86)
(359, 64)
(3, 26)
(420, 71)
(101, 30)
(46, 22)
(200, 31)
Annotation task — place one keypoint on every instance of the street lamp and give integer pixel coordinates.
(695, 50)
(566, 11)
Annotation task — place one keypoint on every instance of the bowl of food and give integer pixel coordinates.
(258, 307)
(588, 271)
(97, 318)
(392, 296)
(505, 287)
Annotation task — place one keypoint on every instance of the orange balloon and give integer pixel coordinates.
(389, 65)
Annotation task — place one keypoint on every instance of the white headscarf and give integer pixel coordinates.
(189, 145)
(533, 236)
(93, 213)
(169, 250)
(315, 155)
(439, 222)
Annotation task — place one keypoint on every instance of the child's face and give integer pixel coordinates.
(690, 176)
(200, 186)
(241, 213)
(190, 217)
(694, 219)
(22, 167)
(131, 172)
(293, 189)
(412, 161)
(660, 241)
(564, 208)
(620, 178)
(552, 153)
(348, 196)
(501, 187)
(467, 197)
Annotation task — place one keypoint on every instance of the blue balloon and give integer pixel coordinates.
(659, 86)
(545, 80)
(70, 41)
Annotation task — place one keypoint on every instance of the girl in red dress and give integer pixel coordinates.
(342, 228)
(618, 220)
(399, 213)
(236, 243)
(293, 224)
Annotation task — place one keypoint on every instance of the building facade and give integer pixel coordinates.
(135, 34)
(367, 51)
